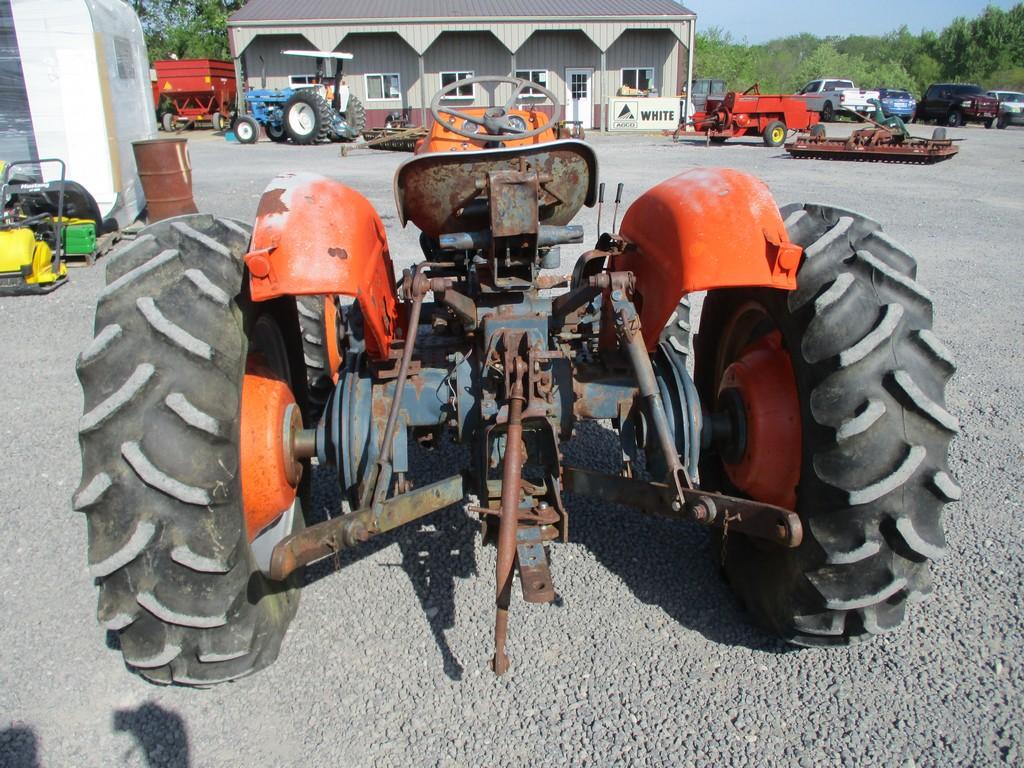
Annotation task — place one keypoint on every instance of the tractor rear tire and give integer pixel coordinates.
(355, 115)
(307, 117)
(869, 378)
(677, 330)
(318, 320)
(160, 438)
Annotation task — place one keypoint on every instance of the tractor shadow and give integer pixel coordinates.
(673, 565)
(434, 553)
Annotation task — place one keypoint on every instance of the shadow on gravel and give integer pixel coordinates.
(434, 553)
(672, 565)
(160, 733)
(19, 747)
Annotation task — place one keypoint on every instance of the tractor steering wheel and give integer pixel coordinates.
(497, 121)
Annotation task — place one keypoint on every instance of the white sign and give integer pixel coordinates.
(627, 113)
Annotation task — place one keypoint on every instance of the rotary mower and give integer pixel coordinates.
(811, 435)
(883, 139)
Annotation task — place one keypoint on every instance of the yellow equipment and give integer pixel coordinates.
(31, 246)
(27, 263)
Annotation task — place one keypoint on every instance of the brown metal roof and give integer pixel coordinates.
(345, 10)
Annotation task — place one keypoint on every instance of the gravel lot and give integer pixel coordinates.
(646, 659)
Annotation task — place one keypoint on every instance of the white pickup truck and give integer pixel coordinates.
(829, 94)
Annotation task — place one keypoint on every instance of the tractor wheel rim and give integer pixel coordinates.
(754, 364)
(301, 118)
(778, 135)
(244, 131)
(269, 420)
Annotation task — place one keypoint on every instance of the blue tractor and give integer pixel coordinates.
(322, 110)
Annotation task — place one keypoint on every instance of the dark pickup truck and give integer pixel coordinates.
(957, 103)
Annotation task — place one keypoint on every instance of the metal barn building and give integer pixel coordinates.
(585, 51)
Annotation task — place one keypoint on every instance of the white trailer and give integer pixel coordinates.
(75, 85)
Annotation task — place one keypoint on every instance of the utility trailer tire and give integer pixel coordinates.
(774, 134)
(874, 431)
(160, 438)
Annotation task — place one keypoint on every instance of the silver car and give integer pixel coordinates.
(1011, 108)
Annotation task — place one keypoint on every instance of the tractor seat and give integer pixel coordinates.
(438, 192)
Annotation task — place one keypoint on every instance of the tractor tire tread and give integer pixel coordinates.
(355, 114)
(160, 480)
(323, 110)
(875, 476)
(318, 377)
(677, 330)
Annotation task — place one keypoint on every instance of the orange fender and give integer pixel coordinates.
(317, 236)
(705, 228)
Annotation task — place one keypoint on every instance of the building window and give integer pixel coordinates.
(640, 78)
(382, 87)
(463, 91)
(538, 76)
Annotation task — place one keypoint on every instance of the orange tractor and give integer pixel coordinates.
(812, 434)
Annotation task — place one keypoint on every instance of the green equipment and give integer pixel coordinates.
(893, 123)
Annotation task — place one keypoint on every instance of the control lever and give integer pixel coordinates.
(618, 199)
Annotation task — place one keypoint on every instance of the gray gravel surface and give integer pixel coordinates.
(646, 659)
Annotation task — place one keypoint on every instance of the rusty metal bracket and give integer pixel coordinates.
(743, 516)
(379, 481)
(534, 574)
(627, 326)
(324, 539)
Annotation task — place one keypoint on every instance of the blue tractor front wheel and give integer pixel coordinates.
(247, 130)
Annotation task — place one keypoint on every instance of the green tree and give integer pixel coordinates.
(717, 55)
(187, 29)
(988, 49)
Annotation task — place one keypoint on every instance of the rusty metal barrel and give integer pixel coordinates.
(166, 175)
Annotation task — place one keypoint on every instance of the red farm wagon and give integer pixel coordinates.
(752, 113)
(195, 92)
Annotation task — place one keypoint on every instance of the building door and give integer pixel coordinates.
(578, 102)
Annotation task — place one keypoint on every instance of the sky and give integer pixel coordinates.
(762, 21)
